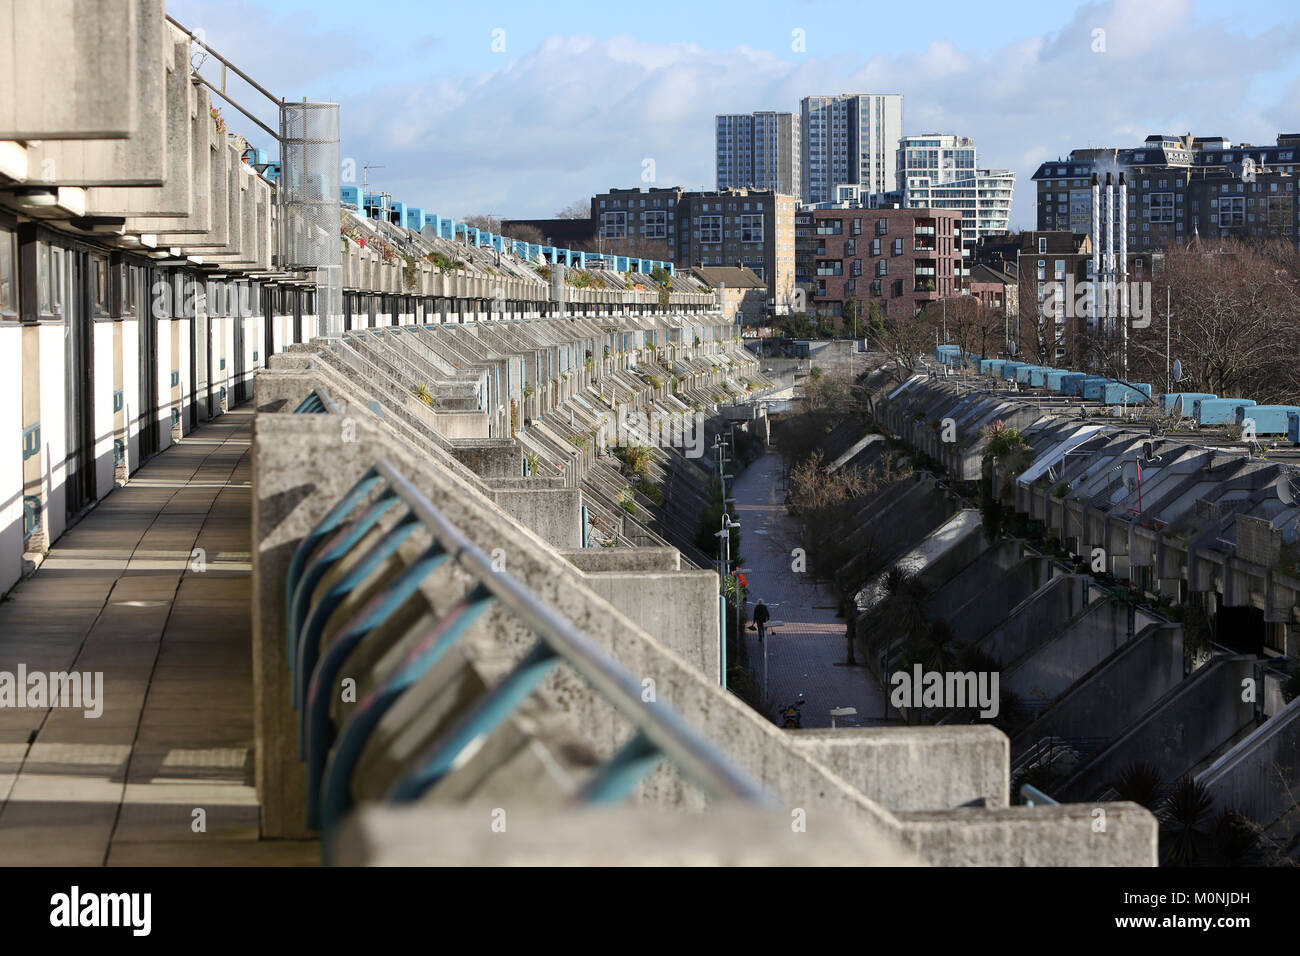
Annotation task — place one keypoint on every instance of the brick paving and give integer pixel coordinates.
(803, 653)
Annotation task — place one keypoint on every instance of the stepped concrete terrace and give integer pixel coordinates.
(549, 748)
(1106, 674)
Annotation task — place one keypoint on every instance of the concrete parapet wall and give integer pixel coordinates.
(1115, 693)
(1260, 776)
(1190, 725)
(624, 559)
(1035, 836)
(1036, 618)
(731, 836)
(1051, 667)
(554, 515)
(916, 768)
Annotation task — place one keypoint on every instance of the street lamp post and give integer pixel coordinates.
(724, 560)
(767, 641)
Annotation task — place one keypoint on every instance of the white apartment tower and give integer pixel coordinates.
(759, 151)
(940, 171)
(850, 139)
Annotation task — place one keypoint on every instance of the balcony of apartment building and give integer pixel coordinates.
(926, 275)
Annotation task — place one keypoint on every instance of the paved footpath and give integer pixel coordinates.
(803, 654)
(153, 589)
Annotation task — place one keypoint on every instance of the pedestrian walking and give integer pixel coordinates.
(761, 617)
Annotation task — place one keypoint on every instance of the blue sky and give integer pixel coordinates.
(582, 94)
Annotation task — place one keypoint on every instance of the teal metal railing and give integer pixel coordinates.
(317, 402)
(353, 541)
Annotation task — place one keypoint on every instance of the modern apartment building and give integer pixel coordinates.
(940, 171)
(853, 139)
(1180, 187)
(896, 259)
(759, 150)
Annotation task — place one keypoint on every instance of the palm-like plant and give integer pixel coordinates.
(422, 392)
(933, 647)
(1183, 816)
(1140, 783)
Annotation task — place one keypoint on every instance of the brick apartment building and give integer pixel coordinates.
(1180, 187)
(744, 228)
(897, 259)
(1025, 265)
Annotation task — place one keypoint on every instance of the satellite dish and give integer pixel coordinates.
(1011, 349)
(1178, 370)
(1177, 410)
(1286, 489)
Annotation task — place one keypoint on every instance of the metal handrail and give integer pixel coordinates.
(317, 402)
(1035, 797)
(681, 743)
(660, 731)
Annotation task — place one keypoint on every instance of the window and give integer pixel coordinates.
(751, 228)
(882, 267)
(875, 287)
(882, 226)
(856, 229)
(1232, 211)
(898, 247)
(49, 279)
(8, 273)
(710, 229)
(850, 247)
(613, 225)
(656, 225)
(856, 268)
(1042, 246)
(99, 285)
(875, 247)
(127, 277)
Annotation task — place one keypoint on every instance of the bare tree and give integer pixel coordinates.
(635, 247)
(973, 326)
(485, 221)
(578, 209)
(1232, 323)
(526, 233)
(905, 339)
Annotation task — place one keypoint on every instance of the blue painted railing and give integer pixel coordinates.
(317, 402)
(332, 552)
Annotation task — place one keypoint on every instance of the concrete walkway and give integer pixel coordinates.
(806, 654)
(152, 589)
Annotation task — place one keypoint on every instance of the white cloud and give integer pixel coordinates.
(578, 115)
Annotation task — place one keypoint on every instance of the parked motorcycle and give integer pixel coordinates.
(791, 717)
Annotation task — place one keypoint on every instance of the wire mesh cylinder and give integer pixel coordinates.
(310, 202)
